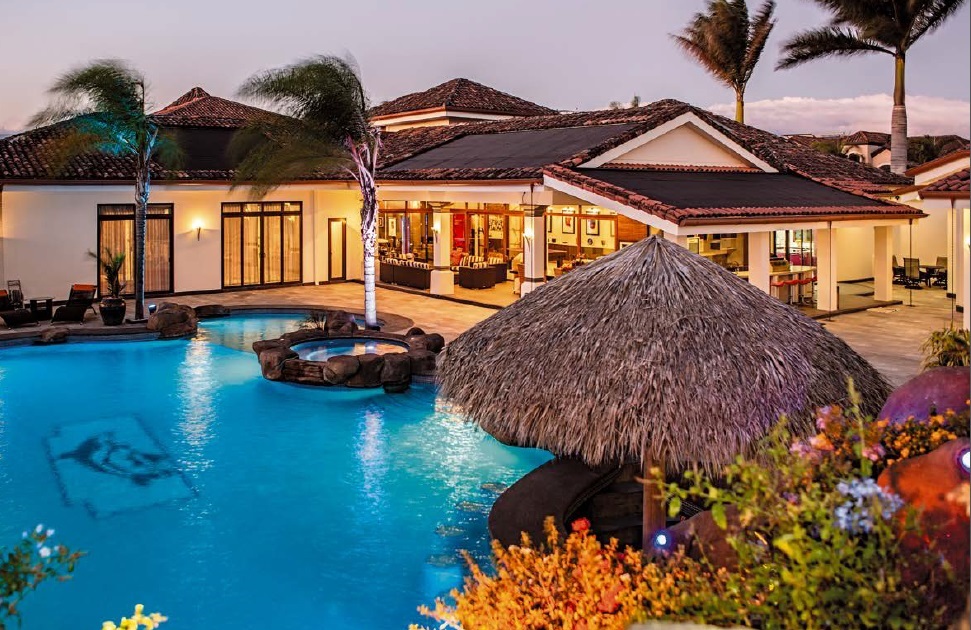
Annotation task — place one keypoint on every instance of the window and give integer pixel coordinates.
(262, 243)
(116, 232)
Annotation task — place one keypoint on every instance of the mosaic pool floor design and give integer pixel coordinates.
(114, 465)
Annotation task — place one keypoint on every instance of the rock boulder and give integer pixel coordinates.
(369, 374)
(934, 391)
(432, 342)
(173, 320)
(396, 372)
(208, 311)
(52, 336)
(336, 370)
(422, 362)
(272, 360)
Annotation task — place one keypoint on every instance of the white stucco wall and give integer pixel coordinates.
(47, 231)
(854, 253)
(683, 145)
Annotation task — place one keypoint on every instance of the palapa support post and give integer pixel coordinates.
(654, 516)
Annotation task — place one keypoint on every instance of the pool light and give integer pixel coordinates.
(662, 540)
(964, 460)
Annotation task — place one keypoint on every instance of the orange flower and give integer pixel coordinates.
(581, 525)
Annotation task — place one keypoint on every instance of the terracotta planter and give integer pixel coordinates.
(112, 311)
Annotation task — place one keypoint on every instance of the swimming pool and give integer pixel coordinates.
(273, 505)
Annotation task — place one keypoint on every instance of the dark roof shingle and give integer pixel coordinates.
(955, 185)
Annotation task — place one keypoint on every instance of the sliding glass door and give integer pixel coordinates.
(262, 243)
(116, 233)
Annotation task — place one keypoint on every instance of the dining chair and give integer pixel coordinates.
(912, 273)
(940, 275)
(898, 272)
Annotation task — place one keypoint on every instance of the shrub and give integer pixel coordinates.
(316, 320)
(946, 347)
(574, 584)
(27, 565)
(817, 541)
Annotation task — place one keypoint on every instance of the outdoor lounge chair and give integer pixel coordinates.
(16, 293)
(78, 302)
(14, 317)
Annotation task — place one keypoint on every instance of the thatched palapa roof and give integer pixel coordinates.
(652, 347)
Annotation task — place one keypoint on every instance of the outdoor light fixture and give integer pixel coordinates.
(964, 460)
(662, 540)
(528, 233)
(197, 226)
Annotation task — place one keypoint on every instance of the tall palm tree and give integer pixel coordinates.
(863, 26)
(325, 128)
(727, 43)
(102, 108)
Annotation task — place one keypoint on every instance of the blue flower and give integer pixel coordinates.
(865, 501)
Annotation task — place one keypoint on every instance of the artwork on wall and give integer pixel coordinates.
(392, 228)
(569, 225)
(593, 227)
(380, 221)
(495, 226)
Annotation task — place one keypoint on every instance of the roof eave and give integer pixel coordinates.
(794, 218)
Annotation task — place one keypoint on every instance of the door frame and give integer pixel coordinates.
(223, 215)
(171, 218)
(330, 250)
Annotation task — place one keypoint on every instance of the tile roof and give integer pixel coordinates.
(952, 186)
(461, 95)
(799, 206)
(957, 154)
(27, 156)
(867, 137)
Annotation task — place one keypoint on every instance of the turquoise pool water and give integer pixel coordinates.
(323, 350)
(223, 500)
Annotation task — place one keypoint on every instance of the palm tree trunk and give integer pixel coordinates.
(740, 107)
(369, 238)
(142, 181)
(898, 121)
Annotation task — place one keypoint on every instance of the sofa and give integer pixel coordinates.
(406, 273)
(478, 276)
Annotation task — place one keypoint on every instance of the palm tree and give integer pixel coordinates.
(728, 44)
(864, 26)
(325, 127)
(102, 108)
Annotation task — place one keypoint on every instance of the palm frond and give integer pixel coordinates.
(759, 31)
(827, 41)
(931, 16)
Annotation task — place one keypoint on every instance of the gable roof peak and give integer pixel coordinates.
(464, 95)
(192, 95)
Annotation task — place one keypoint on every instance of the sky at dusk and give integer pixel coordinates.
(567, 54)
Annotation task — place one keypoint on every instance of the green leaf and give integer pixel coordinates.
(718, 515)
(674, 506)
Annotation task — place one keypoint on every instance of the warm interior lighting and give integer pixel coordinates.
(197, 226)
(965, 460)
(528, 233)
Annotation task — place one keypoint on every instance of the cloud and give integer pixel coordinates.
(871, 112)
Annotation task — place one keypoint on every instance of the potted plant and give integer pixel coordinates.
(112, 307)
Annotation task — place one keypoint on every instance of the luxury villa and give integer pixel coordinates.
(475, 186)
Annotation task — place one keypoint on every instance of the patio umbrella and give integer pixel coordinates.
(651, 355)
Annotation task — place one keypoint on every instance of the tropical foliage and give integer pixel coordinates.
(27, 565)
(102, 108)
(814, 542)
(325, 129)
(110, 264)
(728, 43)
(859, 27)
(948, 346)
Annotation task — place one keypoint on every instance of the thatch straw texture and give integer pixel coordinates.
(651, 347)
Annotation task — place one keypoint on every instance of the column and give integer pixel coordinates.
(883, 263)
(962, 251)
(442, 279)
(758, 259)
(534, 249)
(827, 298)
(680, 241)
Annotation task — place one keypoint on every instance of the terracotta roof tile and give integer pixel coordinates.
(197, 108)
(956, 185)
(461, 95)
(868, 137)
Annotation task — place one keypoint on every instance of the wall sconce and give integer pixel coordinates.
(197, 226)
(436, 230)
(528, 233)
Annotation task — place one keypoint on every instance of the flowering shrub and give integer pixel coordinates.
(24, 567)
(843, 436)
(816, 540)
(573, 584)
(138, 619)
